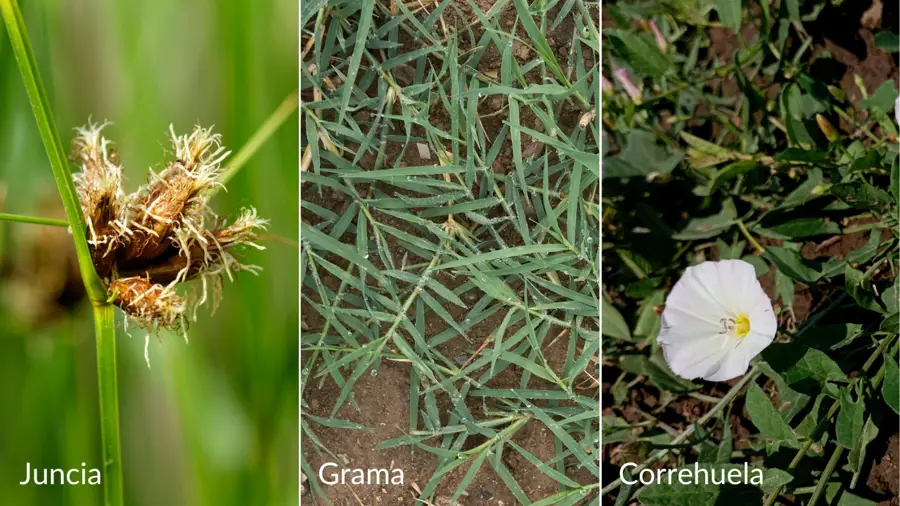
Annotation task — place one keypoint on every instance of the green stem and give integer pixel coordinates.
(104, 324)
(33, 219)
(749, 237)
(826, 474)
(104, 318)
(272, 123)
(40, 105)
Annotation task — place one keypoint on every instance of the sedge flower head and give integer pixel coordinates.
(148, 244)
(715, 320)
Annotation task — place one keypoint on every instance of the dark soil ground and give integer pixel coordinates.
(847, 33)
(383, 398)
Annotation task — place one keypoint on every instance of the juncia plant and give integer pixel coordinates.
(135, 250)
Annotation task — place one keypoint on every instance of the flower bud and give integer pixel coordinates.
(630, 88)
(826, 128)
(660, 39)
(606, 86)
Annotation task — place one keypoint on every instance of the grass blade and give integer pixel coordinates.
(362, 33)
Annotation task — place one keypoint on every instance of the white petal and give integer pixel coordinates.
(691, 319)
(701, 287)
(734, 364)
(762, 318)
(694, 357)
(739, 285)
(897, 110)
(692, 302)
(754, 343)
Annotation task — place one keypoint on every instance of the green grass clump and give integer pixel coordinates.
(450, 187)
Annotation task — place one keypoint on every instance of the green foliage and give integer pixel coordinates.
(215, 420)
(450, 186)
(748, 151)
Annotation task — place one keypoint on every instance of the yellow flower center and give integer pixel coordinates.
(738, 326)
(741, 325)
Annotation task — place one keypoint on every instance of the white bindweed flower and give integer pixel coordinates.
(715, 320)
(897, 110)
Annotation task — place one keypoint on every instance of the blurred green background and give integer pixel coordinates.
(214, 421)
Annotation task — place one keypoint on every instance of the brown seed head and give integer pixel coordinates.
(149, 242)
(149, 304)
(99, 186)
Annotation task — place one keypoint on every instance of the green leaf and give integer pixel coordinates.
(856, 284)
(404, 172)
(727, 251)
(856, 456)
(730, 171)
(765, 417)
(791, 263)
(648, 322)
(890, 389)
(793, 8)
(784, 288)
(887, 41)
(891, 324)
(726, 446)
(805, 227)
(615, 430)
(889, 298)
(729, 13)
(640, 157)
(641, 53)
(802, 155)
(761, 266)
(861, 194)
(883, 99)
(849, 420)
(516, 251)
(539, 40)
(705, 146)
(808, 190)
(836, 493)
(895, 179)
(612, 323)
(804, 369)
(795, 400)
(702, 492)
(709, 226)
(331, 245)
